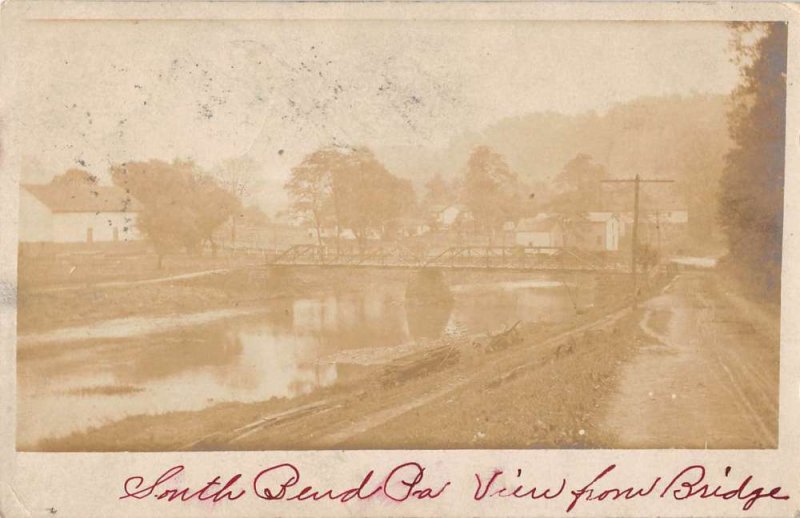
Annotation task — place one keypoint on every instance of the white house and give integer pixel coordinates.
(605, 229)
(76, 213)
(543, 230)
(446, 216)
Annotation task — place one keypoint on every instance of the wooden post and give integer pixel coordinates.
(635, 231)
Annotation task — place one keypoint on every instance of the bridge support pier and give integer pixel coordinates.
(428, 286)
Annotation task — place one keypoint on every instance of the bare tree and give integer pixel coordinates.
(239, 176)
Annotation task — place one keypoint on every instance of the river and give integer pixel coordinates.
(75, 378)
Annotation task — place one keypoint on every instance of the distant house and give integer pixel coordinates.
(330, 233)
(410, 226)
(77, 212)
(509, 226)
(444, 216)
(543, 230)
(649, 221)
(597, 231)
(289, 218)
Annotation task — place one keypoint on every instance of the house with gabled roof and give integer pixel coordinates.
(541, 231)
(597, 231)
(77, 211)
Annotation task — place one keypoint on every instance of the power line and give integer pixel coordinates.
(635, 236)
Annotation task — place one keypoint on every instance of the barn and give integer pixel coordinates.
(76, 212)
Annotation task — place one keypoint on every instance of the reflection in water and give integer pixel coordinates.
(275, 365)
(288, 349)
(352, 320)
(429, 320)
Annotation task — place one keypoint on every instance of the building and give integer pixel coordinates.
(606, 229)
(543, 230)
(412, 227)
(595, 231)
(76, 212)
(445, 216)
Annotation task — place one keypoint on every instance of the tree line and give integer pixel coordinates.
(751, 201)
(349, 188)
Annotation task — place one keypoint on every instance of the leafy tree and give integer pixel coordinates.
(439, 192)
(751, 203)
(212, 205)
(254, 216)
(579, 183)
(310, 187)
(349, 187)
(367, 196)
(182, 206)
(491, 190)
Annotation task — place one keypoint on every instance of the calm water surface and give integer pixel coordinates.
(75, 378)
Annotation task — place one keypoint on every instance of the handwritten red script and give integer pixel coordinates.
(409, 481)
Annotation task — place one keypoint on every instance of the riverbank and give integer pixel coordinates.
(343, 414)
(43, 308)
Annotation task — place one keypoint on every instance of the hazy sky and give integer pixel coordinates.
(105, 92)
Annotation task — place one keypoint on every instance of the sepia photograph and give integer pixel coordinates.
(426, 234)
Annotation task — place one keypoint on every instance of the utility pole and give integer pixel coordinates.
(635, 231)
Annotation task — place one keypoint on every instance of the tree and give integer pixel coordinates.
(579, 183)
(366, 195)
(254, 216)
(349, 187)
(490, 190)
(310, 187)
(212, 205)
(240, 177)
(751, 201)
(439, 192)
(182, 206)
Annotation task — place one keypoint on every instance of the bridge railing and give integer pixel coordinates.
(495, 257)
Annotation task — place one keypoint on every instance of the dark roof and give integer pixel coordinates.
(84, 198)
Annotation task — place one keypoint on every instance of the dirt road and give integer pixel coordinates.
(705, 375)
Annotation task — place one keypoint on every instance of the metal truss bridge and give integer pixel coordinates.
(520, 259)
